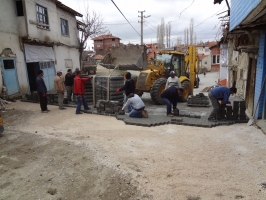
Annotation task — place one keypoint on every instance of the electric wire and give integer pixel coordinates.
(125, 18)
(183, 11)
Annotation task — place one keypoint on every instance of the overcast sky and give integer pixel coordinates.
(177, 12)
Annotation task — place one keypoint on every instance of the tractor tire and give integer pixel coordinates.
(156, 91)
(187, 92)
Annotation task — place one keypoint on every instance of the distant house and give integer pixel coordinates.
(152, 50)
(103, 42)
(215, 57)
(204, 63)
(34, 35)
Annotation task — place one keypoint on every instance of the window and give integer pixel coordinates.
(68, 63)
(206, 50)
(98, 45)
(19, 7)
(113, 39)
(42, 16)
(64, 27)
(215, 59)
(113, 45)
(9, 64)
(206, 63)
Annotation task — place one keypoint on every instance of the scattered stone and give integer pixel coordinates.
(52, 191)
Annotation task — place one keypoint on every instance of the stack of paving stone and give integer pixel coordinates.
(198, 100)
(108, 107)
(88, 90)
(236, 113)
(105, 84)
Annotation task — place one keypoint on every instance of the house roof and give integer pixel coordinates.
(66, 8)
(202, 57)
(207, 44)
(109, 36)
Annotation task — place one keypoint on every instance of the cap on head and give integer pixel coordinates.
(77, 69)
(59, 71)
(127, 75)
(40, 72)
(172, 73)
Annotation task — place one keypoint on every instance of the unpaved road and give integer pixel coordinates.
(60, 155)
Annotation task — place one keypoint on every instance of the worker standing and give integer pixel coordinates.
(42, 90)
(80, 91)
(173, 81)
(170, 97)
(129, 87)
(69, 82)
(221, 93)
(59, 87)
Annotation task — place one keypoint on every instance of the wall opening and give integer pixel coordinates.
(19, 7)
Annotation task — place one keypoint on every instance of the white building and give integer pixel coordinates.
(34, 35)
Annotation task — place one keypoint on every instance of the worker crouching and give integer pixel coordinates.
(170, 97)
(137, 105)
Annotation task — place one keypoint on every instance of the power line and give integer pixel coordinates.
(125, 17)
(150, 28)
(183, 11)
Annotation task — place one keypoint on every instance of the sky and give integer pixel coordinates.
(207, 26)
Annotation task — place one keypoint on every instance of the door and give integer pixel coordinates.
(251, 85)
(49, 74)
(10, 75)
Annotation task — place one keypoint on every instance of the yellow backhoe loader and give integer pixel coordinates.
(154, 73)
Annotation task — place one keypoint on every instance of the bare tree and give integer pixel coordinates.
(191, 31)
(186, 37)
(161, 34)
(168, 35)
(91, 26)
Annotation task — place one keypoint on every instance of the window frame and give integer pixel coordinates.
(217, 59)
(67, 28)
(44, 15)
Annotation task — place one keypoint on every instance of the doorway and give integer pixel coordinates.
(49, 74)
(251, 85)
(10, 75)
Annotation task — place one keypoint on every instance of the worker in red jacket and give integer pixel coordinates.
(80, 91)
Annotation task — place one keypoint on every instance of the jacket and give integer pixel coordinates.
(59, 84)
(69, 79)
(222, 93)
(41, 87)
(173, 82)
(171, 94)
(79, 85)
(129, 87)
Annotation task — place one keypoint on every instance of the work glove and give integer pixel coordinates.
(44, 95)
(62, 92)
(118, 90)
(222, 102)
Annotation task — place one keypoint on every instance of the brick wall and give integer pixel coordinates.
(240, 10)
(260, 73)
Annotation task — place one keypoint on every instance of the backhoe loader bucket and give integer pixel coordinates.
(127, 57)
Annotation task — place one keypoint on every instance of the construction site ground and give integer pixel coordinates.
(60, 155)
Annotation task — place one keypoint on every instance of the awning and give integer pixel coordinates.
(38, 53)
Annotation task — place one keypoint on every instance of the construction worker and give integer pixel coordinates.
(69, 82)
(170, 97)
(138, 107)
(173, 80)
(80, 91)
(221, 93)
(129, 87)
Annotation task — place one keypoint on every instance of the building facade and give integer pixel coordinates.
(34, 35)
(247, 53)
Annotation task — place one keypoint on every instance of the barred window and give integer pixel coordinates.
(64, 27)
(42, 16)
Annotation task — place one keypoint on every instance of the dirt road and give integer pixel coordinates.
(60, 155)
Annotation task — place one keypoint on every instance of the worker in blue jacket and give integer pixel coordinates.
(221, 93)
(42, 91)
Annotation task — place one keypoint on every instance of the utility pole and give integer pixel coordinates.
(141, 25)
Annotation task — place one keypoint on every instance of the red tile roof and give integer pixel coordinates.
(109, 36)
(206, 44)
(98, 57)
